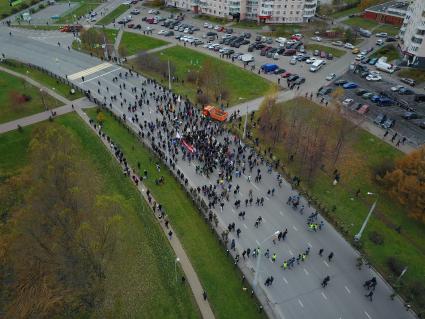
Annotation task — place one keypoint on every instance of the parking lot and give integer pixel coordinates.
(413, 129)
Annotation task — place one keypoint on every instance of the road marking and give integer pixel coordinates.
(264, 220)
(103, 74)
(306, 271)
(266, 198)
(309, 245)
(367, 315)
(326, 263)
(348, 290)
(295, 228)
(234, 212)
(290, 251)
(89, 71)
(284, 279)
(244, 225)
(324, 296)
(281, 213)
(301, 304)
(258, 243)
(255, 186)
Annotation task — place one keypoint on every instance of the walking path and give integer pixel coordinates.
(154, 50)
(118, 41)
(181, 256)
(77, 105)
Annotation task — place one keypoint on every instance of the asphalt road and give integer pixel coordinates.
(295, 293)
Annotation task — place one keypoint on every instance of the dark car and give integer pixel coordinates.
(293, 77)
(279, 71)
(299, 81)
(389, 123)
(290, 52)
(390, 39)
(280, 51)
(324, 91)
(258, 38)
(420, 98)
(360, 92)
(251, 48)
(405, 91)
(410, 116)
(380, 118)
(411, 82)
(340, 82)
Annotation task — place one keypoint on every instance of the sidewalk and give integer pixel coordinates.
(183, 259)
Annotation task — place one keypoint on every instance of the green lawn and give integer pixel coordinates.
(6, 9)
(388, 28)
(140, 279)
(241, 84)
(38, 27)
(215, 270)
(362, 153)
(133, 43)
(335, 52)
(389, 50)
(344, 13)
(110, 34)
(416, 74)
(109, 18)
(13, 107)
(361, 23)
(61, 88)
(248, 24)
(213, 20)
(81, 10)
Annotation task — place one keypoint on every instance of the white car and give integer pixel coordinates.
(186, 30)
(153, 11)
(289, 42)
(382, 35)
(373, 77)
(318, 39)
(206, 24)
(338, 43)
(380, 42)
(293, 61)
(397, 88)
(363, 52)
(360, 57)
(216, 27)
(162, 32)
(331, 76)
(310, 60)
(348, 46)
(126, 3)
(135, 11)
(347, 102)
(210, 26)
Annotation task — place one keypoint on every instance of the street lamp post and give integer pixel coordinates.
(257, 267)
(358, 236)
(169, 75)
(175, 266)
(42, 99)
(244, 126)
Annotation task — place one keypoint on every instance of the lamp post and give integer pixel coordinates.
(257, 267)
(175, 266)
(42, 99)
(358, 236)
(244, 126)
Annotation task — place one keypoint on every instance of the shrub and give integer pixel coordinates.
(395, 265)
(192, 76)
(376, 238)
(202, 99)
(382, 168)
(41, 6)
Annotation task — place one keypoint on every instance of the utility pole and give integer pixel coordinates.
(244, 126)
(169, 75)
(358, 236)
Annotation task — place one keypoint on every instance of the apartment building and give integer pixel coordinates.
(266, 11)
(412, 35)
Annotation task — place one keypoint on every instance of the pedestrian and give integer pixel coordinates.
(320, 252)
(183, 279)
(204, 295)
(170, 234)
(331, 255)
(369, 295)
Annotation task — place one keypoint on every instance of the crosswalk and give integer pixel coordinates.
(89, 71)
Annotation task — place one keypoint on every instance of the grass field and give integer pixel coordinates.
(363, 153)
(81, 10)
(335, 52)
(6, 9)
(388, 28)
(242, 85)
(389, 50)
(140, 279)
(109, 18)
(247, 24)
(132, 43)
(11, 105)
(344, 13)
(416, 74)
(211, 19)
(37, 27)
(215, 270)
(43, 78)
(360, 22)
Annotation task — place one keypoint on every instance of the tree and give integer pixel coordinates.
(364, 4)
(100, 117)
(406, 183)
(58, 240)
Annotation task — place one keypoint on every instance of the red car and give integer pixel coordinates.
(220, 29)
(130, 25)
(286, 74)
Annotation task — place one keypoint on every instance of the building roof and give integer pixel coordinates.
(393, 8)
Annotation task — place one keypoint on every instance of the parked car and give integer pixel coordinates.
(410, 116)
(389, 123)
(396, 88)
(286, 74)
(373, 77)
(373, 61)
(340, 82)
(348, 46)
(324, 91)
(405, 91)
(360, 92)
(382, 35)
(350, 85)
(330, 77)
(380, 42)
(338, 43)
(420, 98)
(380, 118)
(293, 77)
(279, 71)
(347, 102)
(364, 109)
(316, 38)
(408, 81)
(299, 81)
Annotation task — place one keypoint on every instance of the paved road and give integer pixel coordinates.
(295, 293)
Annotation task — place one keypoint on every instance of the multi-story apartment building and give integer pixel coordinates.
(412, 34)
(267, 11)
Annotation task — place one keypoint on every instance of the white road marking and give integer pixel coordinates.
(281, 213)
(306, 271)
(255, 186)
(348, 290)
(290, 251)
(367, 315)
(89, 71)
(295, 228)
(327, 265)
(309, 245)
(284, 279)
(266, 198)
(301, 304)
(258, 243)
(234, 212)
(103, 74)
(244, 225)
(324, 296)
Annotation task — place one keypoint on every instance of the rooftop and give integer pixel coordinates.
(395, 8)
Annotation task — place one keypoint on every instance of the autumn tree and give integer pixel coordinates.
(406, 183)
(57, 240)
(212, 80)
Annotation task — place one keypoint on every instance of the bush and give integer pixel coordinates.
(14, 10)
(395, 265)
(376, 238)
(383, 168)
(192, 76)
(41, 6)
(202, 99)
(33, 2)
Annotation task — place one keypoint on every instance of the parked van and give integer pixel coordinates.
(317, 65)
